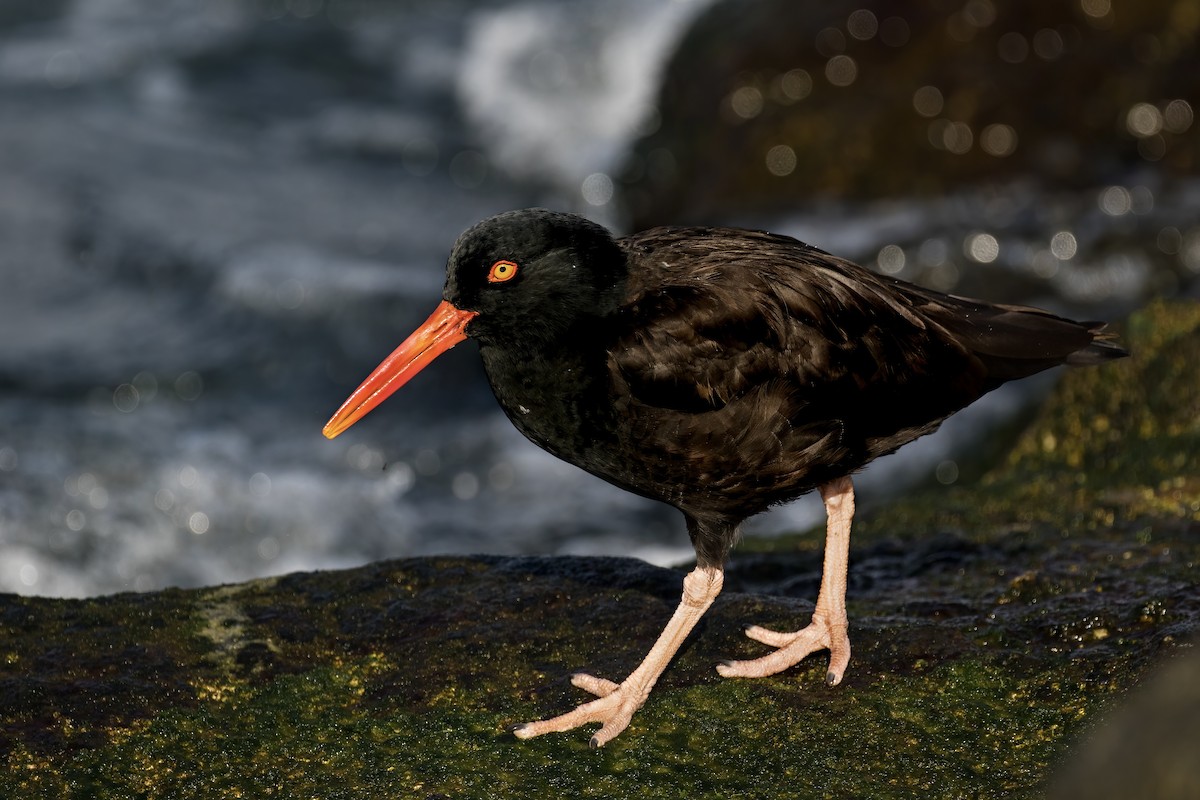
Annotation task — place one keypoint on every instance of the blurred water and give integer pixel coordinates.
(216, 218)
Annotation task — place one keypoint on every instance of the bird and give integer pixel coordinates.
(721, 371)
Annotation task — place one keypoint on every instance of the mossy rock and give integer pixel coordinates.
(991, 625)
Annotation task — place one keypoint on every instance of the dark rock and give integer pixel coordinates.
(1014, 90)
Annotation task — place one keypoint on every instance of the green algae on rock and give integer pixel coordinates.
(992, 623)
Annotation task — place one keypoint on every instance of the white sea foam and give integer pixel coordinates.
(556, 90)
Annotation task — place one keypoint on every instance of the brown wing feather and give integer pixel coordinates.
(813, 363)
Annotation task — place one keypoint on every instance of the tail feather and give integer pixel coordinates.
(1018, 341)
(1103, 347)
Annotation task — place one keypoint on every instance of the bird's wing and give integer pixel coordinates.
(760, 364)
(694, 349)
(748, 358)
(751, 310)
(810, 363)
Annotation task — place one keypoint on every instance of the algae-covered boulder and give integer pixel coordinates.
(992, 625)
(777, 104)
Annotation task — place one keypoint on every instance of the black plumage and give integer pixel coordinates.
(718, 370)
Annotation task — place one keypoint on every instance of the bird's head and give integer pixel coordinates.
(528, 276)
(519, 279)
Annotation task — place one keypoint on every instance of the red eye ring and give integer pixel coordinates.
(502, 271)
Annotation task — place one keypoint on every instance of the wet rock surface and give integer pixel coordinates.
(993, 625)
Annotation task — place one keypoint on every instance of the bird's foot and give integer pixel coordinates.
(613, 708)
(615, 703)
(823, 633)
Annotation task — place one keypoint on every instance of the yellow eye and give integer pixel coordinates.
(502, 271)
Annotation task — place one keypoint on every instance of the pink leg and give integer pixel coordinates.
(616, 702)
(829, 622)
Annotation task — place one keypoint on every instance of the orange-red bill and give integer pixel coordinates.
(444, 329)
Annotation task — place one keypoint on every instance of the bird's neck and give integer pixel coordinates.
(554, 392)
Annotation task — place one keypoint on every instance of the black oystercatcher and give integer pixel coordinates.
(720, 371)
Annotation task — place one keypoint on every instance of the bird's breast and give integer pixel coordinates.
(554, 401)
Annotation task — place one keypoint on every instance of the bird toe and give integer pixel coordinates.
(768, 636)
(590, 683)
